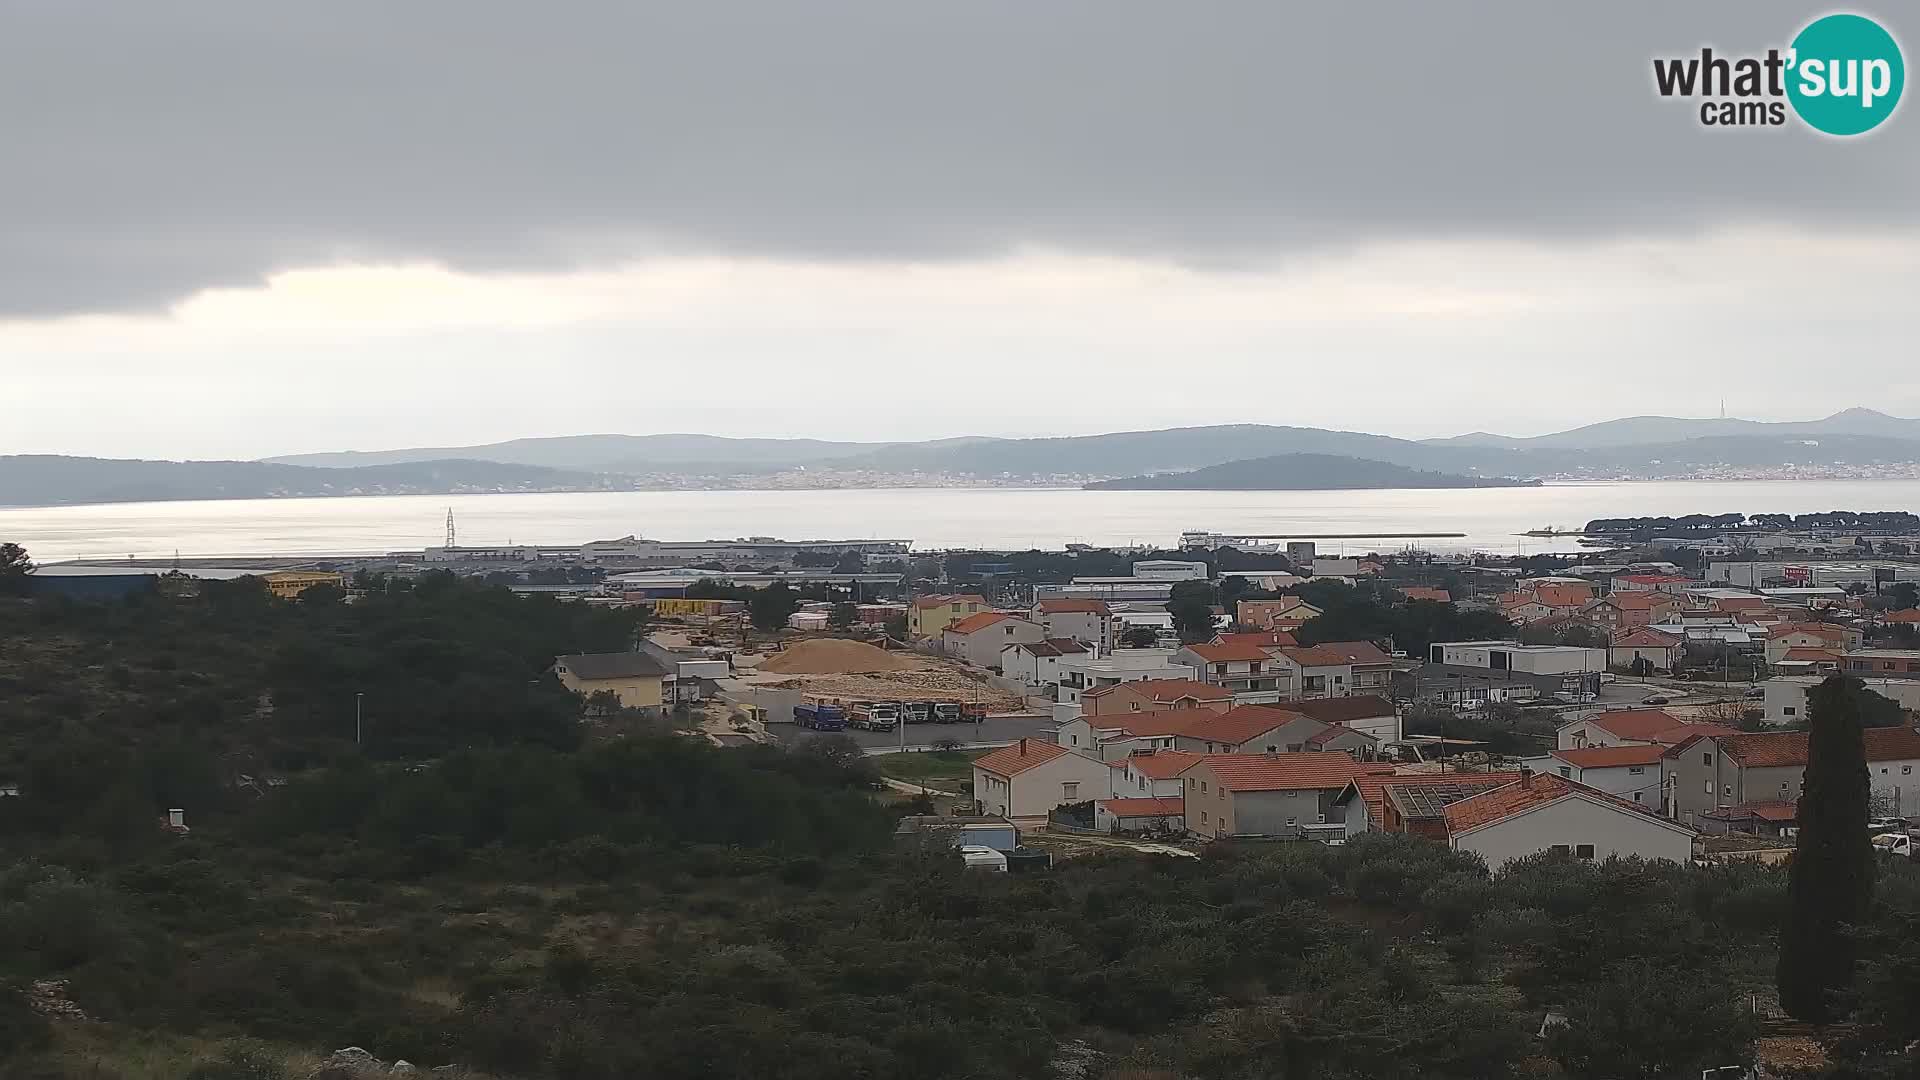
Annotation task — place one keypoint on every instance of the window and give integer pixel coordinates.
(1906, 770)
(1272, 748)
(1203, 787)
(1294, 747)
(1584, 851)
(1566, 772)
(1203, 817)
(1561, 849)
(1727, 791)
(1706, 758)
(1636, 770)
(1289, 823)
(1709, 785)
(1221, 794)
(1069, 791)
(1636, 796)
(1788, 710)
(1293, 794)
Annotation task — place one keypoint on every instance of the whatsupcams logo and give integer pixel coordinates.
(1842, 75)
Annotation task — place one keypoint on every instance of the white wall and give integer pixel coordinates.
(1574, 821)
(1037, 790)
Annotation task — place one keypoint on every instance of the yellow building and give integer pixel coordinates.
(636, 678)
(930, 616)
(289, 584)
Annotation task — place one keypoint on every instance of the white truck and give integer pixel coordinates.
(1894, 843)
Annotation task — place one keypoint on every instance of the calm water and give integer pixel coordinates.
(932, 518)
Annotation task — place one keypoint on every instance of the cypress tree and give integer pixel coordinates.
(1831, 881)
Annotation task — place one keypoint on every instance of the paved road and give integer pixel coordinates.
(996, 731)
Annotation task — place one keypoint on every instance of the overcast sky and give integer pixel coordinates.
(234, 229)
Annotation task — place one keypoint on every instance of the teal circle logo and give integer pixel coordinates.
(1845, 74)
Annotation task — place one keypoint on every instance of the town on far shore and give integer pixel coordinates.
(1649, 689)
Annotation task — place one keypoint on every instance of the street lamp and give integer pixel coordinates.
(356, 717)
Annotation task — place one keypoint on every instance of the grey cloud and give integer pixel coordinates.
(154, 149)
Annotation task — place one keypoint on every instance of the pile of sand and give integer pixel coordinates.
(832, 656)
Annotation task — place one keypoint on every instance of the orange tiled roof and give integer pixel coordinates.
(1535, 789)
(1905, 615)
(1342, 710)
(1822, 630)
(943, 601)
(1772, 749)
(1644, 638)
(1263, 639)
(1356, 652)
(1065, 607)
(1316, 656)
(1560, 596)
(1372, 787)
(1220, 654)
(1021, 756)
(1168, 690)
(1810, 655)
(1422, 592)
(1151, 724)
(1164, 806)
(1282, 772)
(977, 622)
(1239, 724)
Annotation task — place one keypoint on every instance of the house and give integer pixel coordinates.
(1037, 663)
(636, 678)
(1031, 777)
(1644, 646)
(1522, 607)
(1319, 671)
(1422, 592)
(1372, 715)
(1248, 729)
(1552, 813)
(1883, 663)
(1117, 736)
(1242, 669)
(928, 616)
(1140, 815)
(1709, 772)
(1146, 773)
(1564, 598)
(1264, 794)
(1802, 661)
(1150, 694)
(1786, 695)
(1267, 640)
(1265, 614)
(1369, 670)
(1084, 674)
(1631, 771)
(1624, 610)
(1624, 727)
(1771, 819)
(978, 639)
(289, 584)
(1666, 583)
(1553, 669)
(1903, 617)
(1412, 804)
(1785, 637)
(1089, 622)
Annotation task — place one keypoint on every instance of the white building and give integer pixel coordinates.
(1786, 695)
(1340, 568)
(1513, 656)
(1551, 813)
(1037, 663)
(1630, 771)
(1029, 778)
(1079, 674)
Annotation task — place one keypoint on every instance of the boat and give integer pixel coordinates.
(1550, 530)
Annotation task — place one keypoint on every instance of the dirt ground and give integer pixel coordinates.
(922, 678)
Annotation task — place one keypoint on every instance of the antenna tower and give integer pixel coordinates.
(450, 542)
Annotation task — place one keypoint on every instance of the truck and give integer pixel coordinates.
(1899, 844)
(875, 716)
(973, 712)
(917, 712)
(820, 715)
(946, 712)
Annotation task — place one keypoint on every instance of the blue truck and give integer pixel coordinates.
(820, 715)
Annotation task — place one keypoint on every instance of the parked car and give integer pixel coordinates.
(1756, 693)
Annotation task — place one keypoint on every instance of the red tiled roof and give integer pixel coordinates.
(1356, 652)
(1373, 787)
(1532, 791)
(1051, 647)
(1150, 724)
(1282, 772)
(1640, 724)
(1220, 654)
(1739, 603)
(1168, 690)
(1262, 639)
(1021, 756)
(973, 623)
(1342, 710)
(1164, 806)
(1645, 638)
(1821, 630)
(1423, 592)
(1316, 656)
(1652, 579)
(1239, 724)
(1774, 749)
(1161, 764)
(1634, 599)
(1563, 595)
(1611, 757)
(1765, 811)
(1811, 655)
(1905, 615)
(1066, 607)
(1334, 731)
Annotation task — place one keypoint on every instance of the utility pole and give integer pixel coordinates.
(357, 697)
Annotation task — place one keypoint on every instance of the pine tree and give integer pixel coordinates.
(1831, 880)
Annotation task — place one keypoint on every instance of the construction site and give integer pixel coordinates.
(856, 671)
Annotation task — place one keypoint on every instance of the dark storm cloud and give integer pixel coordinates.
(155, 149)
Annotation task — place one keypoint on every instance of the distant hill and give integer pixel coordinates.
(607, 453)
(45, 480)
(1650, 430)
(1301, 472)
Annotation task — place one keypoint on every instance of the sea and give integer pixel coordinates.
(1490, 519)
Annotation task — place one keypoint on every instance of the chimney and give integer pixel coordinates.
(176, 818)
(1526, 777)
(1023, 747)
